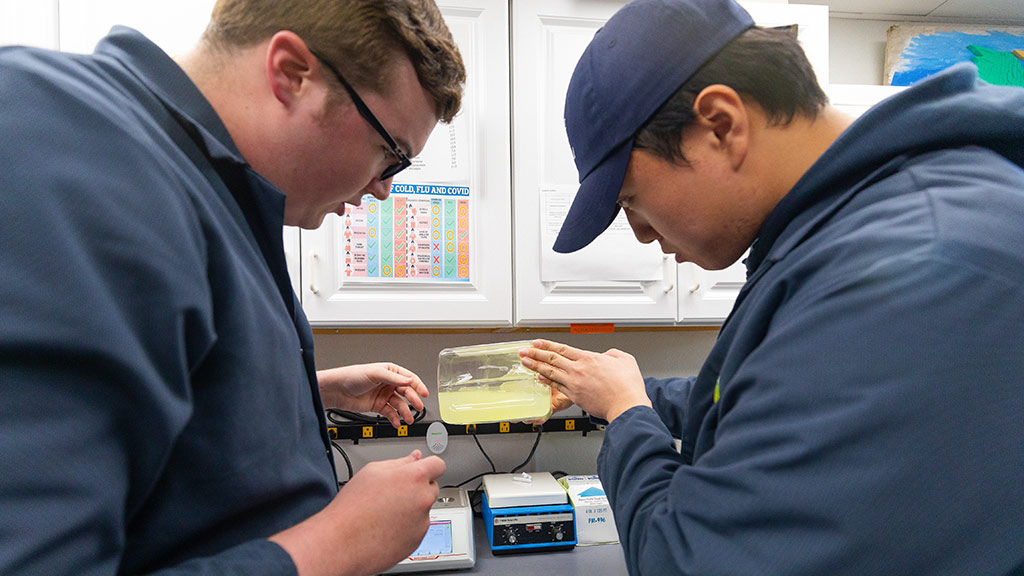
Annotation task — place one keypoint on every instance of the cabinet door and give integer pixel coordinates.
(174, 26)
(616, 278)
(856, 99)
(29, 23)
(292, 256)
(438, 251)
(707, 296)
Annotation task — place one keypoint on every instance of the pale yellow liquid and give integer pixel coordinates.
(479, 401)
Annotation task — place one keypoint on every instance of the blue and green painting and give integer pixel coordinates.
(998, 54)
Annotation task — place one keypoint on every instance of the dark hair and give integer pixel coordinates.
(361, 37)
(766, 65)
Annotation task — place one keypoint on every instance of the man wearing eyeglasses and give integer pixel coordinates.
(160, 408)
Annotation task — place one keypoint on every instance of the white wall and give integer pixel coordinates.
(856, 50)
(675, 353)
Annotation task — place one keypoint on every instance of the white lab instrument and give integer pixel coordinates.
(527, 513)
(448, 544)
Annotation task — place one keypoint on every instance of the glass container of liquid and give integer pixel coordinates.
(488, 383)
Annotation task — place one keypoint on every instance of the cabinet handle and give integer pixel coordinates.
(696, 279)
(671, 270)
(312, 273)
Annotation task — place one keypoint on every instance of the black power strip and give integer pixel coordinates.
(357, 431)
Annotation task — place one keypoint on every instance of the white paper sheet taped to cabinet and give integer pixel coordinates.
(444, 158)
(615, 255)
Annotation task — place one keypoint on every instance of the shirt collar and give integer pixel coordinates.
(173, 87)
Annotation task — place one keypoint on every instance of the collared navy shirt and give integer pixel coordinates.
(158, 399)
(862, 409)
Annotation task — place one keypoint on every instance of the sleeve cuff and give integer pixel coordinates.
(258, 557)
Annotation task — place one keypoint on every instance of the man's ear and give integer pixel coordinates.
(720, 110)
(289, 66)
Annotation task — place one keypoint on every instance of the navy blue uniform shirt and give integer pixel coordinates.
(862, 411)
(158, 399)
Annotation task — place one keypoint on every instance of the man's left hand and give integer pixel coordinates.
(382, 387)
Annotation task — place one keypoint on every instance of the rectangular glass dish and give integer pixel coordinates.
(488, 383)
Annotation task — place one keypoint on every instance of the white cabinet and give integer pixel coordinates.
(548, 38)
(472, 155)
(855, 99)
(438, 251)
(293, 255)
(707, 296)
(29, 23)
(450, 259)
(631, 284)
(174, 26)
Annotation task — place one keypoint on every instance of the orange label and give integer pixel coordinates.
(591, 328)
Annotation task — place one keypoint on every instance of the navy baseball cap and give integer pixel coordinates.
(641, 56)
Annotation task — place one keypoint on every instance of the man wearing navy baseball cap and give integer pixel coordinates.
(847, 420)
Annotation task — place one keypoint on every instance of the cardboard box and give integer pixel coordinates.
(594, 521)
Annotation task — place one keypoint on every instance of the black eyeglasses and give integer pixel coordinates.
(364, 111)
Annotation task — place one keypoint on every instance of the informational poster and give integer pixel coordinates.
(444, 158)
(614, 255)
(421, 232)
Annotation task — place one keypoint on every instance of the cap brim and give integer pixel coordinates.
(596, 203)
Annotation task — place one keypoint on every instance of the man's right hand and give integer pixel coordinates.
(605, 385)
(376, 521)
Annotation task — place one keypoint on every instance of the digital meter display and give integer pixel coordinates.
(437, 541)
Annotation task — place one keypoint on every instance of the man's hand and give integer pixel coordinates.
(382, 387)
(376, 521)
(559, 402)
(604, 385)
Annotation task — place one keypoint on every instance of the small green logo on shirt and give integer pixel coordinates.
(716, 389)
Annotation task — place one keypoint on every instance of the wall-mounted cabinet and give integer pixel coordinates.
(438, 251)
(855, 99)
(461, 276)
(174, 26)
(29, 23)
(77, 25)
(707, 296)
(615, 279)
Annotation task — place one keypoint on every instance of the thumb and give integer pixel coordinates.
(433, 467)
(616, 353)
(413, 457)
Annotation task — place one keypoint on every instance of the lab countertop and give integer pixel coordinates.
(603, 560)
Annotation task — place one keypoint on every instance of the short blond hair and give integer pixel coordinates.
(361, 37)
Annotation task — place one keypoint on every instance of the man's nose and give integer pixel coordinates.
(644, 233)
(380, 189)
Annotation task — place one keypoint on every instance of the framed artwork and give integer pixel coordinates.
(914, 52)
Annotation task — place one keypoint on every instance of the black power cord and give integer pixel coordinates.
(348, 463)
(533, 450)
(482, 451)
(494, 470)
(340, 417)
